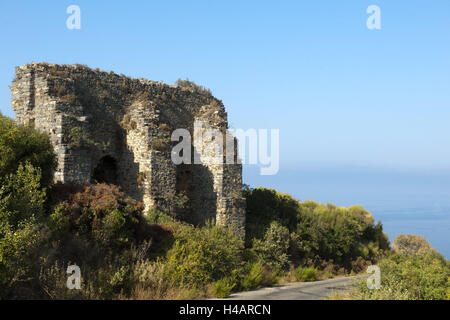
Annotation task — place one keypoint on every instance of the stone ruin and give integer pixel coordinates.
(114, 129)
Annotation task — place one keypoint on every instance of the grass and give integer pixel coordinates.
(306, 274)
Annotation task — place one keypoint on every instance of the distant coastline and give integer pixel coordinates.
(405, 202)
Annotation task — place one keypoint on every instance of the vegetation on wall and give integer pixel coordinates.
(188, 84)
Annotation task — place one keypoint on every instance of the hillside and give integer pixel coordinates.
(126, 252)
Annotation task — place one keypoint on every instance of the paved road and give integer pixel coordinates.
(316, 290)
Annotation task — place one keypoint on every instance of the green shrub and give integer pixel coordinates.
(265, 206)
(21, 196)
(59, 222)
(96, 227)
(272, 251)
(306, 274)
(53, 281)
(411, 244)
(21, 144)
(410, 277)
(253, 275)
(99, 211)
(154, 216)
(317, 232)
(222, 288)
(113, 226)
(21, 253)
(202, 255)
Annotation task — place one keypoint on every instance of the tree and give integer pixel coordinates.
(411, 244)
(21, 195)
(20, 144)
(273, 249)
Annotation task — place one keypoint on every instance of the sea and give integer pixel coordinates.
(405, 201)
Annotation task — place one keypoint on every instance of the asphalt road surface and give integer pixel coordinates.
(317, 290)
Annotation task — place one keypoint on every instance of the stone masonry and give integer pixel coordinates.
(114, 129)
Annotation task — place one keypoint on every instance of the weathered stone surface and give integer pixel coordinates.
(117, 129)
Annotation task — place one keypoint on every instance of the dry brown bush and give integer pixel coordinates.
(102, 198)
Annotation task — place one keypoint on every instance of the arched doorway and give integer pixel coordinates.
(105, 171)
(184, 192)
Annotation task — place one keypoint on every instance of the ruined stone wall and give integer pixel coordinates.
(112, 128)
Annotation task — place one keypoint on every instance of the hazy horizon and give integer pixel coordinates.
(405, 201)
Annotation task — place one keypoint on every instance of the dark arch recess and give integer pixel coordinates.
(105, 171)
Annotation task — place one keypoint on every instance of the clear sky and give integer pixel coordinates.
(339, 93)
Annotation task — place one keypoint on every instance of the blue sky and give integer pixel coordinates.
(341, 95)
(363, 114)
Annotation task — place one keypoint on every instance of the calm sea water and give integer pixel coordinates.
(405, 202)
